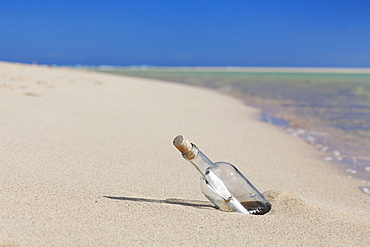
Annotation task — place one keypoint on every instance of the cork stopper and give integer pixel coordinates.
(182, 144)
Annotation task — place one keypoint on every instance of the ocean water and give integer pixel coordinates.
(331, 111)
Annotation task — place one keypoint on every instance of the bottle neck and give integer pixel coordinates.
(198, 159)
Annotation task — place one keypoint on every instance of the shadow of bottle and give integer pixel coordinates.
(188, 203)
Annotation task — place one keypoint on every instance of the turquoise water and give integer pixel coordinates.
(331, 111)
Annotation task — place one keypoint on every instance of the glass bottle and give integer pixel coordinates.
(222, 183)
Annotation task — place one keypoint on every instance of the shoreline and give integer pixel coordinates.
(309, 133)
(350, 164)
(351, 157)
(88, 160)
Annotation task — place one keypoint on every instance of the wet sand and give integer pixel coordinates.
(87, 159)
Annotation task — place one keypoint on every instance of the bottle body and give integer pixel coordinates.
(224, 185)
(240, 188)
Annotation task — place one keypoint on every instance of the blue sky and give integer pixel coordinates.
(306, 33)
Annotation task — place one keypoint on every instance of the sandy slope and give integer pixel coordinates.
(87, 159)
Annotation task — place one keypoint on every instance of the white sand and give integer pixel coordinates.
(86, 159)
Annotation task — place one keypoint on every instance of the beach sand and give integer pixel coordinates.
(87, 160)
